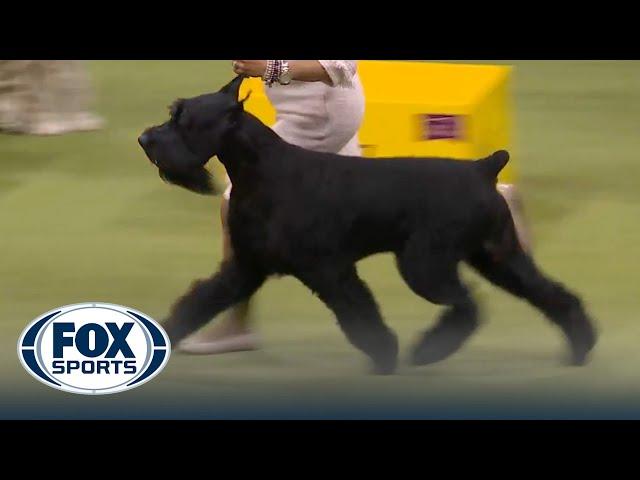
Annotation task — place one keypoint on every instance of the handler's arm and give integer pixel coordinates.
(331, 72)
(309, 71)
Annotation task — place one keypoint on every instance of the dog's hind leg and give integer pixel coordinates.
(518, 274)
(357, 313)
(232, 284)
(432, 273)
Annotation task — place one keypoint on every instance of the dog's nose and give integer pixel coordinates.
(143, 139)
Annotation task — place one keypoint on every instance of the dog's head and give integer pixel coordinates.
(182, 146)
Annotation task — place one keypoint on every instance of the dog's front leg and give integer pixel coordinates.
(207, 298)
(357, 313)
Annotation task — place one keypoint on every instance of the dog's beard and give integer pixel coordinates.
(196, 180)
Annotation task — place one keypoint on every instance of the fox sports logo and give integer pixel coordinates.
(94, 348)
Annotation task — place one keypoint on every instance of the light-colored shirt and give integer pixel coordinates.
(318, 116)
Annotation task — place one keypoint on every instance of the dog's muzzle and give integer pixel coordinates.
(143, 140)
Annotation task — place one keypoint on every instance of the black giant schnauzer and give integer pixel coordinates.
(314, 215)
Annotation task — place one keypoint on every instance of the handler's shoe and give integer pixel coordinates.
(243, 342)
(230, 335)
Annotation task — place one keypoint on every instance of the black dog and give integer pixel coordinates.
(314, 215)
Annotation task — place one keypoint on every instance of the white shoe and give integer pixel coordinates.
(83, 122)
(49, 126)
(233, 343)
(60, 124)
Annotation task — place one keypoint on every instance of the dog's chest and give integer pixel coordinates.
(253, 232)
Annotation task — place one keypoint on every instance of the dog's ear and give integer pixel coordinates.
(233, 87)
(175, 109)
(238, 109)
(241, 102)
(180, 116)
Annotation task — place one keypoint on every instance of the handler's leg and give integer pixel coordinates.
(207, 298)
(233, 333)
(510, 193)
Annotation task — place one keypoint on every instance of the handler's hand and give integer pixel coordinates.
(252, 68)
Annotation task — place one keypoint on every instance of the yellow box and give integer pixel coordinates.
(425, 109)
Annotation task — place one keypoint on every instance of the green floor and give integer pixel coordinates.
(84, 217)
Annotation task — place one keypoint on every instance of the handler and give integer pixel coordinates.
(319, 106)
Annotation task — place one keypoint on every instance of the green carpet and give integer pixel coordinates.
(85, 217)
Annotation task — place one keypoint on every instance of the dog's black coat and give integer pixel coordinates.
(314, 215)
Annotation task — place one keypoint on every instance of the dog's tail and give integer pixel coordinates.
(493, 164)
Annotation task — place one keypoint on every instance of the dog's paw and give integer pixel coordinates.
(388, 367)
(385, 358)
(420, 358)
(582, 341)
(580, 354)
(434, 349)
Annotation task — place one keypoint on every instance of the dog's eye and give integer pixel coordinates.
(185, 121)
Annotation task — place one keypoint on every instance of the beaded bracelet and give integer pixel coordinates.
(272, 72)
